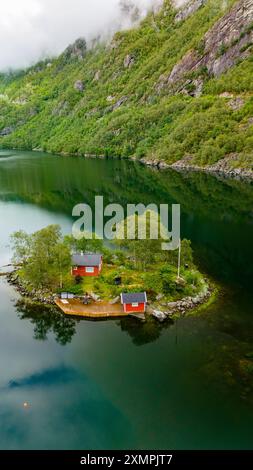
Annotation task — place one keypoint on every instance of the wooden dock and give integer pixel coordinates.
(97, 310)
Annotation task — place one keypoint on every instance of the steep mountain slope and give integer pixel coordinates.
(178, 89)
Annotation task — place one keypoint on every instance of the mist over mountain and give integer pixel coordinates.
(174, 90)
(33, 29)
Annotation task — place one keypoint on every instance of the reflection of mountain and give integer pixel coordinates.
(60, 401)
(45, 378)
(58, 183)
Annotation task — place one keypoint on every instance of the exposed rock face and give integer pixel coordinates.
(226, 94)
(20, 101)
(193, 87)
(129, 61)
(97, 76)
(227, 41)
(114, 44)
(189, 62)
(110, 98)
(198, 85)
(236, 103)
(79, 86)
(224, 167)
(159, 165)
(33, 111)
(119, 103)
(76, 50)
(189, 9)
(61, 109)
(7, 131)
(159, 315)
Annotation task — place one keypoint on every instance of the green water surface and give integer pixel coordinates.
(123, 384)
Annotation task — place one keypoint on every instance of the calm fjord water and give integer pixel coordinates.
(121, 384)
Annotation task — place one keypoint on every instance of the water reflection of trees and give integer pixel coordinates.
(143, 332)
(59, 185)
(47, 319)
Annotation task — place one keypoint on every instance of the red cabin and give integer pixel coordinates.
(86, 265)
(134, 303)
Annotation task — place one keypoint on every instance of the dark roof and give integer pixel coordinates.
(139, 297)
(86, 260)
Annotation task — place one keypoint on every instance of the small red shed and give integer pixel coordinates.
(86, 264)
(134, 303)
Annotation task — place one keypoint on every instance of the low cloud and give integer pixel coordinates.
(179, 3)
(32, 29)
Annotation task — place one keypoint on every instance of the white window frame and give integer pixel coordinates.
(89, 270)
(135, 304)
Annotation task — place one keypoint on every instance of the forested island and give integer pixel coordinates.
(44, 271)
(109, 342)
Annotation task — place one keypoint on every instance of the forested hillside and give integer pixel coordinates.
(176, 87)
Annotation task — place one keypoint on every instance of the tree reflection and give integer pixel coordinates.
(143, 332)
(46, 319)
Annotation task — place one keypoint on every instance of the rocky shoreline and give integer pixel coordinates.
(42, 296)
(161, 311)
(181, 307)
(221, 168)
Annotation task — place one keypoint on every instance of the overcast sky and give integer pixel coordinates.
(31, 29)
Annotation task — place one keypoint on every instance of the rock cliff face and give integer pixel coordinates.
(109, 100)
(76, 50)
(223, 45)
(189, 9)
(78, 85)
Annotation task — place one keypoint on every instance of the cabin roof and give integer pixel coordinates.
(139, 297)
(86, 260)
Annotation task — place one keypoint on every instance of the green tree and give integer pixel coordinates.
(94, 245)
(45, 257)
(21, 243)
